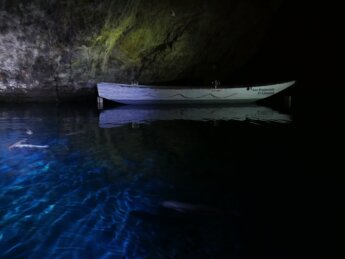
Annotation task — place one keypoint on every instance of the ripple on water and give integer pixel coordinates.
(96, 193)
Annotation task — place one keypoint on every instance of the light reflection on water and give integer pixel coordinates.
(97, 192)
(146, 114)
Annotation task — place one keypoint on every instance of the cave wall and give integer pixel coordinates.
(57, 50)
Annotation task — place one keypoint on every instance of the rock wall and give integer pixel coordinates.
(54, 50)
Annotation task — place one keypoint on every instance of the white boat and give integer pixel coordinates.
(143, 94)
(141, 114)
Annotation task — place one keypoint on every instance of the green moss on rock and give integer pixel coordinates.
(85, 41)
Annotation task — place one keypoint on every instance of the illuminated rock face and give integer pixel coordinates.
(57, 50)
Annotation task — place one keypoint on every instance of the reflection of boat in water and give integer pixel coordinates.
(143, 94)
(145, 114)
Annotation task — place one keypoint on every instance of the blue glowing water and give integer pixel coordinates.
(97, 192)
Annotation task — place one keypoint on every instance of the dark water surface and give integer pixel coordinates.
(92, 185)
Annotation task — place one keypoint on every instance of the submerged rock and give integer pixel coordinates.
(57, 50)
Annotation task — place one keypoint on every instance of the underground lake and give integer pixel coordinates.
(144, 182)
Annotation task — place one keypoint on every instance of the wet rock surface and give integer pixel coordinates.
(58, 50)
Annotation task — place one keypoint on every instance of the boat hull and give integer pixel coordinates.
(131, 94)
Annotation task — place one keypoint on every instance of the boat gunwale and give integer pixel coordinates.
(162, 87)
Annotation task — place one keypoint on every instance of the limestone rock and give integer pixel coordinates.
(57, 50)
